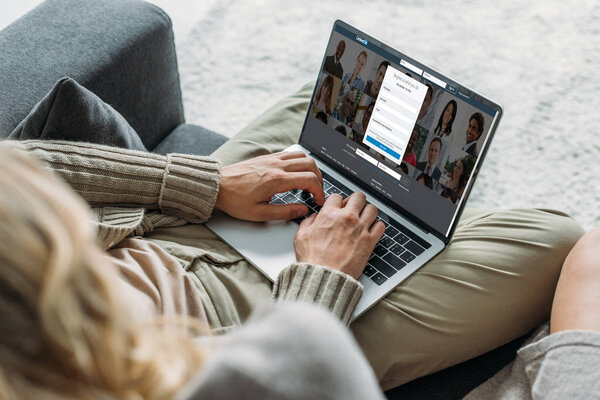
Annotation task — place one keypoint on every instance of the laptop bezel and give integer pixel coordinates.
(433, 71)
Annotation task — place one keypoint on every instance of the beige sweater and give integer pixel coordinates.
(132, 193)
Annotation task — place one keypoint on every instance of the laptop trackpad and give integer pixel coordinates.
(267, 245)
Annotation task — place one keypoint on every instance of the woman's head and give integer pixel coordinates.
(459, 172)
(459, 169)
(65, 330)
(325, 91)
(447, 118)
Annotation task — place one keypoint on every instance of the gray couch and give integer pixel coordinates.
(123, 51)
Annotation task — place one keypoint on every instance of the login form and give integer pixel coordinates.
(394, 114)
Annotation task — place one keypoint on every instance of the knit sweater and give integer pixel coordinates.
(133, 192)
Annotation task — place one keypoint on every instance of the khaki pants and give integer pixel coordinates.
(494, 282)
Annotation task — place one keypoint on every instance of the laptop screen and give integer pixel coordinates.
(415, 137)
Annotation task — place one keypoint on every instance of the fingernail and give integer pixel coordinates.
(299, 213)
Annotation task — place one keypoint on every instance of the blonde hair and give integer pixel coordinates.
(65, 332)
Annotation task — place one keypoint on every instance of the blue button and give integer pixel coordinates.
(383, 147)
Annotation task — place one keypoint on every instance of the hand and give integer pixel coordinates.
(341, 236)
(247, 187)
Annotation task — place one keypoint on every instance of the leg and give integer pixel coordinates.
(492, 283)
(577, 297)
(230, 287)
(275, 130)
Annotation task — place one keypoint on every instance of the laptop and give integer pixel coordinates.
(409, 137)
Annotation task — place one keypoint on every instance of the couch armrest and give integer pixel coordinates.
(122, 50)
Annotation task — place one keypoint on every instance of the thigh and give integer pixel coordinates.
(493, 282)
(275, 130)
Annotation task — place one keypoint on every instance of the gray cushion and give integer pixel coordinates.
(123, 51)
(191, 139)
(71, 112)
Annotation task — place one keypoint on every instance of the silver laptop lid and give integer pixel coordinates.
(406, 133)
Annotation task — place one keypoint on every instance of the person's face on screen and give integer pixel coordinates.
(458, 170)
(426, 103)
(413, 140)
(360, 63)
(472, 131)
(326, 91)
(339, 51)
(448, 113)
(348, 103)
(379, 80)
(434, 152)
(367, 116)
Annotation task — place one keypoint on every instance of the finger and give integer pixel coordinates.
(377, 230)
(305, 164)
(272, 212)
(333, 201)
(308, 221)
(301, 180)
(368, 215)
(288, 155)
(356, 202)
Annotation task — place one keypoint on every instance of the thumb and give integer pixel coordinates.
(270, 212)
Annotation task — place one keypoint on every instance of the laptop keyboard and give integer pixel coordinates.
(396, 248)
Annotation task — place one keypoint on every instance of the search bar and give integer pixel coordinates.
(435, 80)
(413, 68)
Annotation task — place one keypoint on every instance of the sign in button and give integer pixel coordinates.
(383, 147)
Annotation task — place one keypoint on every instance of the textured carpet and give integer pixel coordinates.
(539, 59)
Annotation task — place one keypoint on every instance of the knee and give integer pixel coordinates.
(561, 230)
(583, 262)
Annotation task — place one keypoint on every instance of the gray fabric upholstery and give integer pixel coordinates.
(190, 139)
(71, 112)
(122, 50)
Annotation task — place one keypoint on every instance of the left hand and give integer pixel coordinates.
(246, 188)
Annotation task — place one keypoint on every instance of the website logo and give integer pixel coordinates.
(363, 41)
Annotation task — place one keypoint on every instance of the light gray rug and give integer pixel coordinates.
(539, 59)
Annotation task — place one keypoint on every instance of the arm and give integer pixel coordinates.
(332, 249)
(183, 186)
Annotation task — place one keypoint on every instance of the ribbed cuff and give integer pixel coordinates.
(190, 186)
(320, 285)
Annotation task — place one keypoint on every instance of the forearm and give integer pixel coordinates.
(329, 288)
(184, 186)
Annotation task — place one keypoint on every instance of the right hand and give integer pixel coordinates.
(341, 236)
(246, 187)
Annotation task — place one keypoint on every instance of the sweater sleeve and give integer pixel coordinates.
(285, 351)
(324, 286)
(184, 186)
